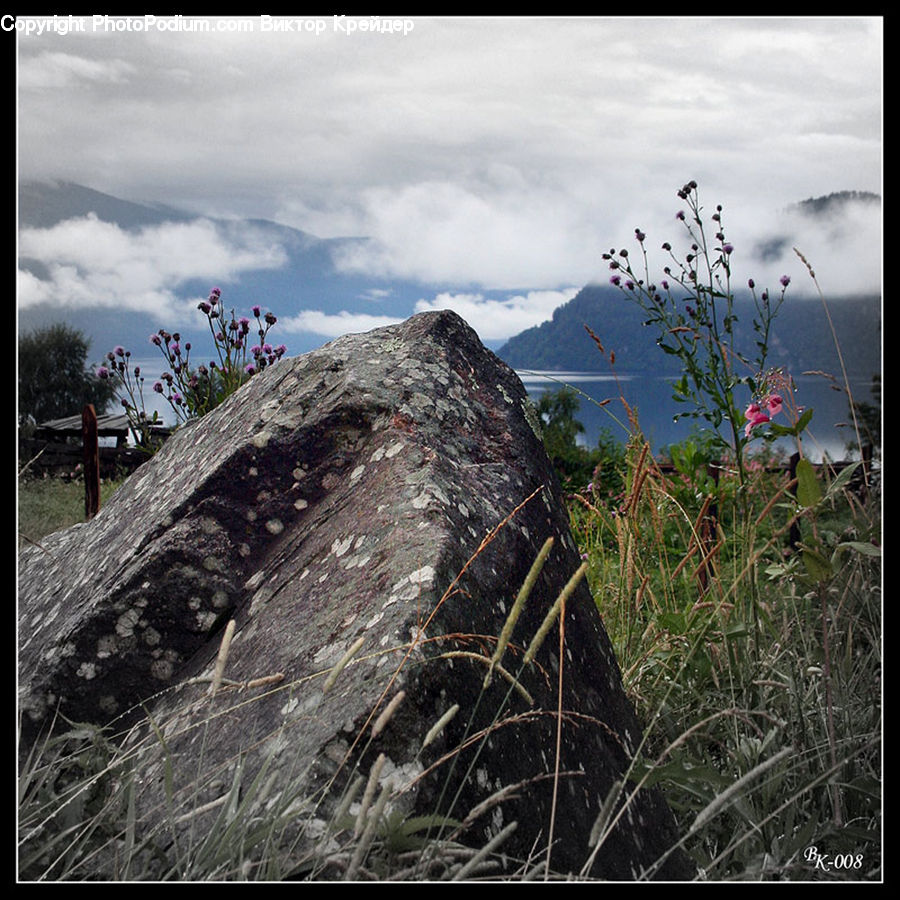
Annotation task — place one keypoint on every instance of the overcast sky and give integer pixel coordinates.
(491, 153)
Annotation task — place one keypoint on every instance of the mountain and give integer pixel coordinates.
(835, 203)
(801, 339)
(296, 273)
(43, 205)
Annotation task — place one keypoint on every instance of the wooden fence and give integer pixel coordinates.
(58, 447)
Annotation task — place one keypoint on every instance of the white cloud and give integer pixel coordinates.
(57, 71)
(495, 320)
(490, 152)
(500, 236)
(333, 325)
(97, 264)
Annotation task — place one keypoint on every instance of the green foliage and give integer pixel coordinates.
(692, 308)
(46, 505)
(192, 390)
(54, 381)
(578, 466)
(693, 458)
(756, 668)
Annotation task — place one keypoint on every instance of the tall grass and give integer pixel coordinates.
(757, 667)
(757, 676)
(745, 613)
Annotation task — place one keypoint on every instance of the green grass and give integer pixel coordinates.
(46, 505)
(756, 671)
(759, 668)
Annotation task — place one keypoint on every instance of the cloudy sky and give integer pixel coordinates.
(496, 154)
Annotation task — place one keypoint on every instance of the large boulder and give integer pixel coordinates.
(390, 487)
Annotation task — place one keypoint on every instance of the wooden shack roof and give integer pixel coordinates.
(107, 426)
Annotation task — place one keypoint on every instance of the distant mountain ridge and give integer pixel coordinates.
(45, 204)
(310, 278)
(834, 202)
(801, 339)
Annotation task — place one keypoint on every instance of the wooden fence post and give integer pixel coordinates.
(794, 533)
(91, 449)
(709, 527)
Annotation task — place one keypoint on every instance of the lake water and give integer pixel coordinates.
(829, 430)
(651, 397)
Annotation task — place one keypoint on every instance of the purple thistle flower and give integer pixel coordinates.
(270, 318)
(751, 283)
(680, 215)
(728, 248)
(616, 280)
(785, 280)
(204, 307)
(103, 372)
(255, 310)
(250, 369)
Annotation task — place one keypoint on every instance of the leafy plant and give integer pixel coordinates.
(692, 307)
(54, 380)
(190, 389)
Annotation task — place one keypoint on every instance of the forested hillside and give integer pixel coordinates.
(801, 338)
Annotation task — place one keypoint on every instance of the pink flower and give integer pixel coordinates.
(755, 416)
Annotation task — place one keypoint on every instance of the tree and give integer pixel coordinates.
(579, 467)
(868, 418)
(53, 379)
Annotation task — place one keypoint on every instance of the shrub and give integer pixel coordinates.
(193, 390)
(54, 380)
(692, 306)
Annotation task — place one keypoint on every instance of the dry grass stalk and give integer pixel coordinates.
(514, 613)
(222, 658)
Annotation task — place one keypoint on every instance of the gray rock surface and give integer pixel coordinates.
(390, 487)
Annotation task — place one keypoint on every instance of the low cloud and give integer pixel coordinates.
(500, 236)
(90, 263)
(56, 71)
(492, 318)
(333, 325)
(500, 319)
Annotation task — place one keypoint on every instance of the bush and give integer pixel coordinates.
(54, 381)
(192, 390)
